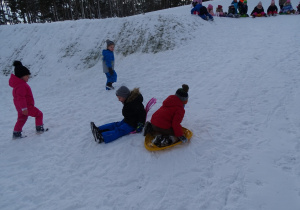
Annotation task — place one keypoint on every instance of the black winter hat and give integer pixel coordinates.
(182, 93)
(108, 43)
(20, 70)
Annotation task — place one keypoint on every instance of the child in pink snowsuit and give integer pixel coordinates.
(23, 100)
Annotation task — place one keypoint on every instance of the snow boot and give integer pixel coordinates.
(96, 133)
(17, 135)
(162, 141)
(109, 86)
(40, 129)
(147, 129)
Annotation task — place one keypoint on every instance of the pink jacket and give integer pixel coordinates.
(22, 94)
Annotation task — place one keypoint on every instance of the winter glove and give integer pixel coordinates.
(183, 139)
(111, 71)
(139, 127)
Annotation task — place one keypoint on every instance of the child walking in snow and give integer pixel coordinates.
(134, 117)
(258, 11)
(166, 121)
(272, 9)
(108, 64)
(23, 100)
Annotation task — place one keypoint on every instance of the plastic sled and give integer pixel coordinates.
(152, 147)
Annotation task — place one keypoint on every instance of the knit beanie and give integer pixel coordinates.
(273, 2)
(245, 1)
(109, 42)
(20, 70)
(182, 93)
(259, 3)
(123, 91)
(210, 6)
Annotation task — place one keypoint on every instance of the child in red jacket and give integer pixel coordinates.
(166, 121)
(23, 100)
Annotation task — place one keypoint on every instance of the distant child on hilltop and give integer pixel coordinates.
(210, 10)
(287, 8)
(281, 3)
(134, 114)
(272, 9)
(258, 11)
(298, 8)
(166, 121)
(23, 100)
(201, 11)
(233, 9)
(219, 11)
(243, 8)
(108, 64)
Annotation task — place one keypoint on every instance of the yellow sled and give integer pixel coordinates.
(151, 147)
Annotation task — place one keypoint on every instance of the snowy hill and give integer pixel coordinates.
(243, 110)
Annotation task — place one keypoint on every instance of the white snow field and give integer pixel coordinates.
(243, 109)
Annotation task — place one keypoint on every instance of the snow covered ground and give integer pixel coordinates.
(243, 110)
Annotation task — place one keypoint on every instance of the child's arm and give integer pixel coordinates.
(21, 100)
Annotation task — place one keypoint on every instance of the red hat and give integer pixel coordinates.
(219, 6)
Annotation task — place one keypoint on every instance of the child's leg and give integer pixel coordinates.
(35, 112)
(20, 122)
(120, 129)
(109, 126)
(203, 17)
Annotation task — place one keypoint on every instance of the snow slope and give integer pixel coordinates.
(244, 98)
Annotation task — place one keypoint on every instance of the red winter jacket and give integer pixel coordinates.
(170, 115)
(22, 94)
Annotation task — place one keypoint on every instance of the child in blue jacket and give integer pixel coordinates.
(108, 64)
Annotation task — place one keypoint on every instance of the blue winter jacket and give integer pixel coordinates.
(236, 5)
(196, 9)
(287, 8)
(108, 60)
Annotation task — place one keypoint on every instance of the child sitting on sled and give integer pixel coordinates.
(258, 11)
(166, 121)
(272, 9)
(287, 8)
(108, 64)
(134, 117)
(243, 8)
(298, 9)
(232, 9)
(219, 11)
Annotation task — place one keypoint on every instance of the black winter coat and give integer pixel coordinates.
(133, 109)
(258, 11)
(272, 8)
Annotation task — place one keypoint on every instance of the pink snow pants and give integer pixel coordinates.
(32, 112)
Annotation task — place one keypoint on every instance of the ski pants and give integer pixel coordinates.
(111, 78)
(32, 112)
(204, 17)
(115, 130)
